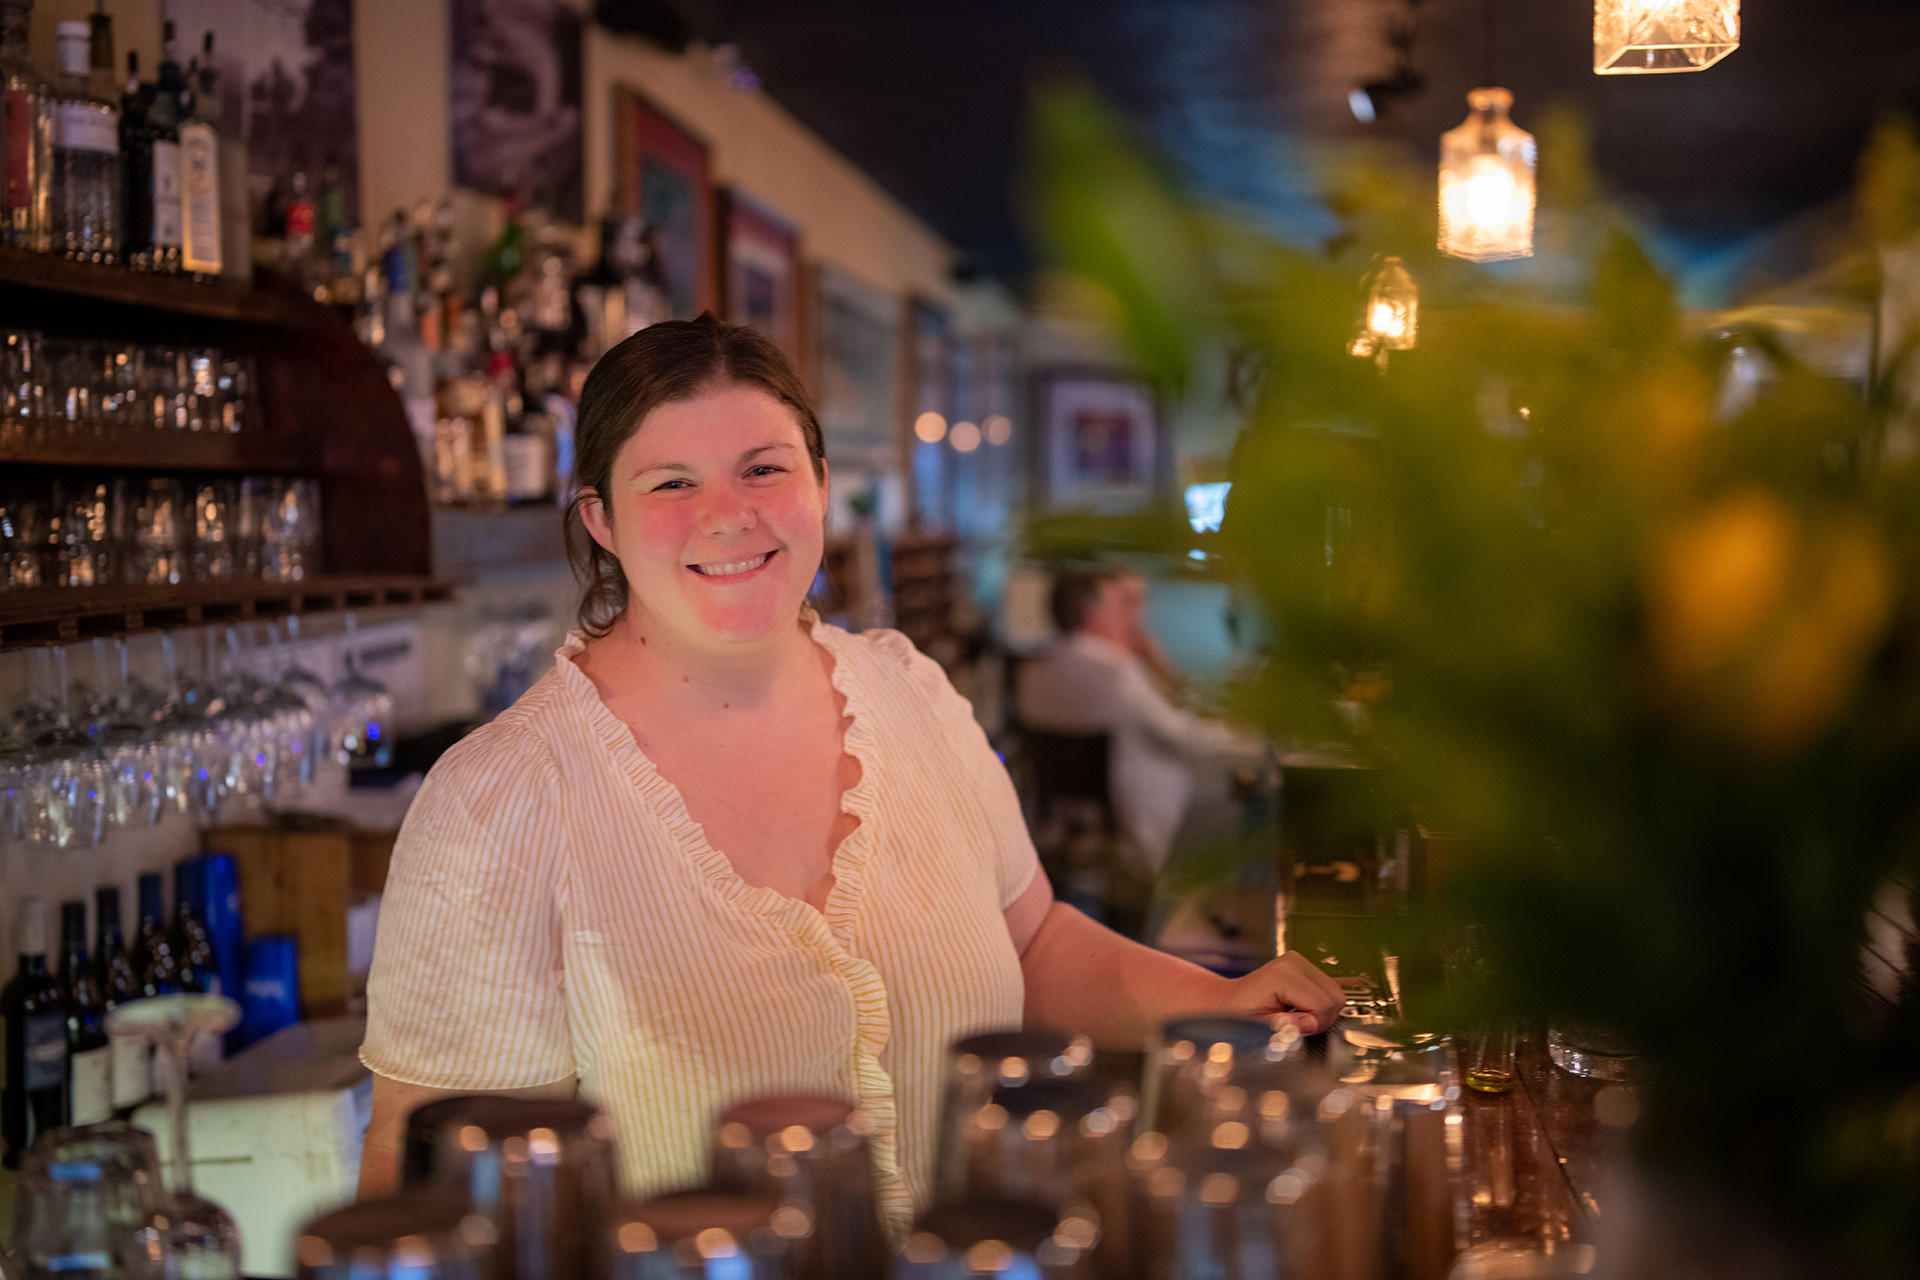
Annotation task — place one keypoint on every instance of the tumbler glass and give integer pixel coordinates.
(84, 1199)
(812, 1152)
(415, 1235)
(160, 524)
(705, 1235)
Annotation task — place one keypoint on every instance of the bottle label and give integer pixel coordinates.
(85, 126)
(167, 210)
(200, 191)
(19, 148)
(299, 219)
(131, 1074)
(46, 1045)
(92, 1086)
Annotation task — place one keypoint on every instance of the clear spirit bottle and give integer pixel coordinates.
(26, 134)
(86, 157)
(168, 206)
(200, 251)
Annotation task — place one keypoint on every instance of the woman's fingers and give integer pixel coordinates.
(1294, 988)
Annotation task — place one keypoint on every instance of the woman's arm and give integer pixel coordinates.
(395, 1100)
(1082, 976)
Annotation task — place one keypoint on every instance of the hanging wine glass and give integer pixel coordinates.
(313, 691)
(65, 771)
(192, 1236)
(361, 705)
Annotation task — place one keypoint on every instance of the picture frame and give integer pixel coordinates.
(517, 120)
(662, 172)
(760, 278)
(1100, 441)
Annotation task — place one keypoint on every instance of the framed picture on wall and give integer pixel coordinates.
(662, 172)
(1100, 442)
(760, 279)
(857, 390)
(516, 117)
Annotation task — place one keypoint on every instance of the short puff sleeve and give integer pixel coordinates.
(467, 989)
(985, 774)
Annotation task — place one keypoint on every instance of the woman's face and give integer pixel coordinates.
(715, 515)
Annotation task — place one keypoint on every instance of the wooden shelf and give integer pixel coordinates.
(60, 615)
(148, 290)
(123, 448)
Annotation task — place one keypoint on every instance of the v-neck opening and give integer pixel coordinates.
(848, 862)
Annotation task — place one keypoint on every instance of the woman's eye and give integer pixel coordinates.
(659, 488)
(765, 469)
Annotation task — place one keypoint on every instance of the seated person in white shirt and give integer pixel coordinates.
(1101, 678)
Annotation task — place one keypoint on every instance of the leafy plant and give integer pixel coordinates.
(1648, 642)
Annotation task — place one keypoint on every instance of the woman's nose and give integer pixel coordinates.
(725, 512)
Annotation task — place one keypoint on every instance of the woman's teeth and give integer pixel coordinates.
(732, 567)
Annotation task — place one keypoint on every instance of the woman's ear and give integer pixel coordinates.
(593, 514)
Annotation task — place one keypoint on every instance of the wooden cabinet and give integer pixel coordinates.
(322, 408)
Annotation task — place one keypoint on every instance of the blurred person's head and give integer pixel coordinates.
(702, 485)
(1111, 603)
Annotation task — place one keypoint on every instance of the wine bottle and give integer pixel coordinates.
(192, 948)
(153, 957)
(35, 1097)
(89, 1056)
(119, 983)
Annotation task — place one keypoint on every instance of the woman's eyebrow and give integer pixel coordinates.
(753, 453)
(685, 468)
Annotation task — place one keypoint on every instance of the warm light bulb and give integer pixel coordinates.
(930, 427)
(1489, 195)
(999, 429)
(1386, 320)
(1641, 37)
(965, 437)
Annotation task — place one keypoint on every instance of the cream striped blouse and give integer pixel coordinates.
(552, 911)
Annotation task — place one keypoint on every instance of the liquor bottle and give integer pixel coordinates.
(100, 74)
(298, 263)
(200, 251)
(166, 210)
(119, 983)
(27, 131)
(86, 157)
(35, 1097)
(600, 296)
(153, 957)
(334, 226)
(89, 1056)
(136, 170)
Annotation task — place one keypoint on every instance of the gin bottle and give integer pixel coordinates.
(200, 251)
(86, 157)
(26, 134)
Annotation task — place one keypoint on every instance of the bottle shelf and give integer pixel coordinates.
(177, 294)
(61, 615)
(97, 445)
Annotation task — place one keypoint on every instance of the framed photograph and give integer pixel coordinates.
(1100, 442)
(287, 76)
(516, 75)
(760, 284)
(663, 173)
(858, 393)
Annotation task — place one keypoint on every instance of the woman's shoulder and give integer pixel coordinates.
(886, 656)
(506, 757)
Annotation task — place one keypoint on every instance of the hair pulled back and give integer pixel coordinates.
(665, 363)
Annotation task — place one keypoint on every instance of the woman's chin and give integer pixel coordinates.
(749, 621)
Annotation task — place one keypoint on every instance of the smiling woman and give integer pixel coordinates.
(725, 850)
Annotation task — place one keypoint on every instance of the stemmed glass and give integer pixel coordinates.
(64, 771)
(195, 1236)
(362, 704)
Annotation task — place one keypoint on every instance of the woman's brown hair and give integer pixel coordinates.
(664, 363)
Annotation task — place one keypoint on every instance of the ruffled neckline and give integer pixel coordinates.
(850, 860)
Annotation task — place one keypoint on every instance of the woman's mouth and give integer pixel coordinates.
(731, 568)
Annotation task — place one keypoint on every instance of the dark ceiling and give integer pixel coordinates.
(930, 99)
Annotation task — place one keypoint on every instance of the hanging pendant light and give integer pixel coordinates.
(1392, 318)
(1638, 37)
(1486, 183)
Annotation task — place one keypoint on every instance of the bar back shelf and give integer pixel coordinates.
(322, 408)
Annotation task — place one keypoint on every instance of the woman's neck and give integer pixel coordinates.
(652, 659)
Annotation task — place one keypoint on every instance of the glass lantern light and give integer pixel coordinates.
(1638, 37)
(1486, 183)
(1392, 318)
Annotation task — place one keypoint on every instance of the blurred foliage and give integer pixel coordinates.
(1651, 650)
